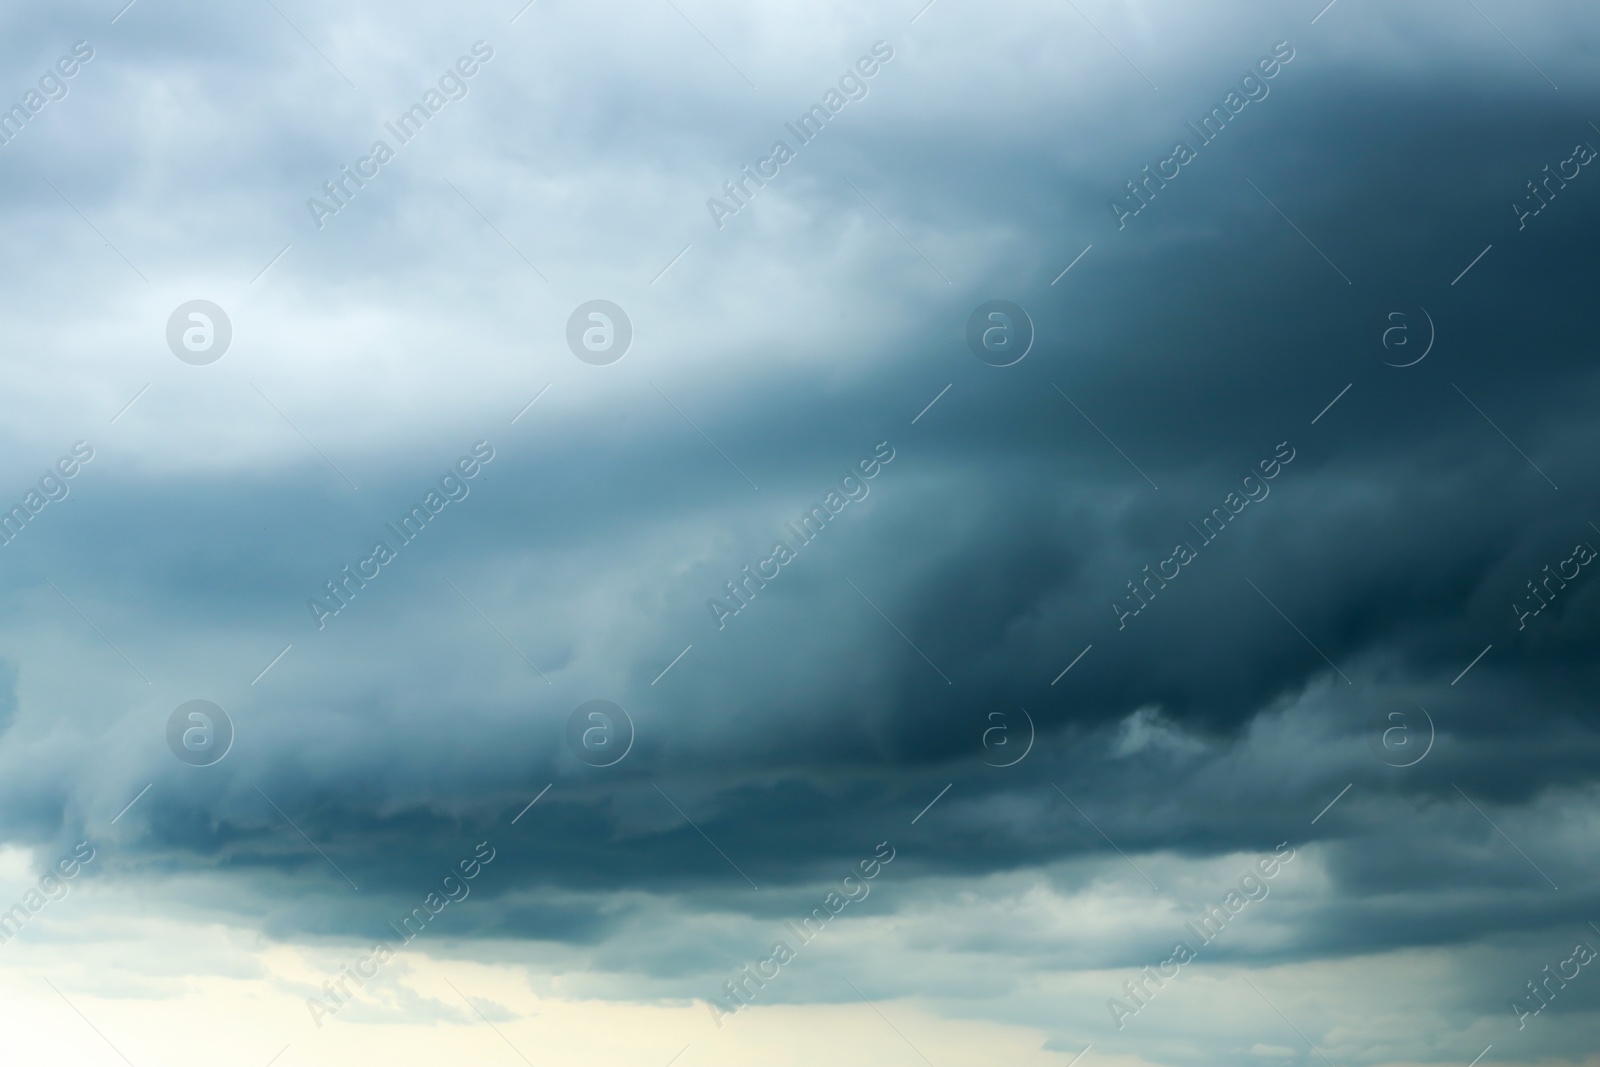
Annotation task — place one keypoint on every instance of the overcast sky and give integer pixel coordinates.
(1007, 522)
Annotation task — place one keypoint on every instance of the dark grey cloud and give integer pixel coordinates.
(1206, 336)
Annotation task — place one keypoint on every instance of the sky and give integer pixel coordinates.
(682, 533)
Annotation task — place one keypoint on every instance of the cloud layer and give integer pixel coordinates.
(1014, 580)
